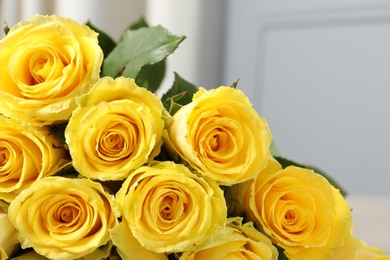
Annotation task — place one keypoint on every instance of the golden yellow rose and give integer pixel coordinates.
(8, 242)
(27, 153)
(301, 212)
(63, 218)
(44, 64)
(170, 209)
(116, 128)
(221, 135)
(234, 241)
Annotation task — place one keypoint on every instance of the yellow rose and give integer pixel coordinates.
(116, 128)
(27, 153)
(221, 135)
(8, 241)
(170, 209)
(63, 218)
(44, 64)
(235, 241)
(301, 212)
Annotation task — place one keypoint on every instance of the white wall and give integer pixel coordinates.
(318, 72)
(111, 16)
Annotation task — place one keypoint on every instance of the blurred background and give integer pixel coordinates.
(318, 71)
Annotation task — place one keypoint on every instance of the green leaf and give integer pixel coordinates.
(180, 93)
(235, 83)
(140, 23)
(151, 76)
(105, 42)
(145, 46)
(281, 256)
(286, 162)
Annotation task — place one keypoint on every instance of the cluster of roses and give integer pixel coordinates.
(129, 178)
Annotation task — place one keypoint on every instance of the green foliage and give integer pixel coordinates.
(286, 162)
(151, 76)
(139, 48)
(140, 23)
(179, 94)
(281, 256)
(5, 28)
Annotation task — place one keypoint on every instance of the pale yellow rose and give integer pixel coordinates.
(301, 212)
(221, 135)
(8, 241)
(44, 64)
(63, 218)
(234, 241)
(27, 154)
(170, 209)
(116, 128)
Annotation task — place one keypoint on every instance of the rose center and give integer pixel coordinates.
(214, 143)
(166, 209)
(67, 214)
(217, 140)
(112, 143)
(290, 216)
(4, 153)
(41, 69)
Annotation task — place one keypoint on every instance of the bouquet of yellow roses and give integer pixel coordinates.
(95, 165)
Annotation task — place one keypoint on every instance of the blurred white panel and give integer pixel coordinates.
(29, 8)
(318, 72)
(112, 17)
(9, 13)
(325, 93)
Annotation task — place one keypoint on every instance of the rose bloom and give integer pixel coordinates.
(300, 211)
(27, 154)
(63, 218)
(170, 209)
(235, 241)
(116, 128)
(221, 135)
(44, 64)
